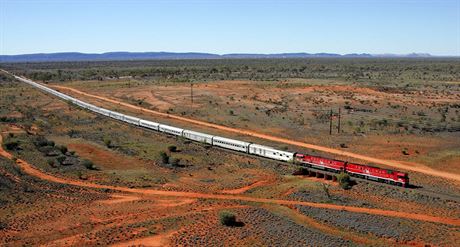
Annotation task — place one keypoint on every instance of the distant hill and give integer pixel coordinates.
(76, 56)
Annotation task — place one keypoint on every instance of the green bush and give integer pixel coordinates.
(89, 165)
(49, 151)
(63, 149)
(12, 144)
(175, 161)
(61, 158)
(51, 162)
(227, 218)
(164, 157)
(72, 133)
(40, 141)
(108, 143)
(172, 148)
(344, 180)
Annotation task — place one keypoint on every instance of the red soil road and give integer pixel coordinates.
(31, 170)
(413, 167)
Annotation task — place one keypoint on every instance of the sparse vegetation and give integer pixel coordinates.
(164, 157)
(227, 218)
(11, 144)
(344, 180)
(89, 165)
(134, 159)
(108, 142)
(63, 149)
(172, 148)
(175, 162)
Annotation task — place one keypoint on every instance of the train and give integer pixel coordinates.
(357, 170)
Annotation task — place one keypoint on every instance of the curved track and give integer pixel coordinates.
(415, 167)
(31, 170)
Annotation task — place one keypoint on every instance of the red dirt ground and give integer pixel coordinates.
(31, 170)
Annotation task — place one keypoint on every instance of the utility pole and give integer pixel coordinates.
(191, 94)
(338, 126)
(330, 123)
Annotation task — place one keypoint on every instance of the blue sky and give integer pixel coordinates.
(251, 26)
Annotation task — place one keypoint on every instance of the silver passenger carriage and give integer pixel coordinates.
(170, 130)
(116, 115)
(149, 124)
(198, 136)
(270, 152)
(131, 120)
(230, 144)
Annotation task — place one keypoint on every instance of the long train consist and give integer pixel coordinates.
(337, 166)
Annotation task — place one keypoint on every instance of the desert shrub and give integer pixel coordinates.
(231, 112)
(49, 151)
(343, 145)
(175, 161)
(89, 165)
(344, 180)
(108, 143)
(172, 148)
(7, 119)
(227, 218)
(82, 176)
(11, 134)
(61, 158)
(63, 149)
(405, 151)
(12, 144)
(3, 225)
(51, 162)
(40, 141)
(72, 133)
(164, 157)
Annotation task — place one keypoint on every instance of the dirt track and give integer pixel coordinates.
(413, 167)
(31, 170)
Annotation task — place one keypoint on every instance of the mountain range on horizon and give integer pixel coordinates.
(111, 56)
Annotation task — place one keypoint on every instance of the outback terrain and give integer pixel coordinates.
(70, 177)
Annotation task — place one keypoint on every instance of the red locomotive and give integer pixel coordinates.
(356, 170)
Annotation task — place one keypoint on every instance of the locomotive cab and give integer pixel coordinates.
(404, 178)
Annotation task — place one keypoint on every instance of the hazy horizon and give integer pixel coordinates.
(260, 27)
